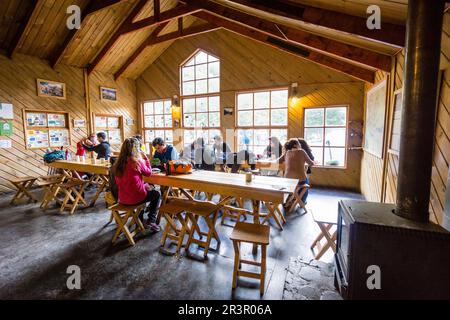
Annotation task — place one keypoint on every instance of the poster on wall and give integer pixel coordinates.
(37, 139)
(59, 138)
(56, 120)
(6, 128)
(5, 144)
(37, 119)
(101, 122)
(6, 111)
(375, 116)
(114, 137)
(113, 122)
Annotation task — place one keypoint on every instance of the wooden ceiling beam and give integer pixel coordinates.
(298, 37)
(389, 33)
(328, 61)
(23, 28)
(155, 39)
(93, 7)
(136, 10)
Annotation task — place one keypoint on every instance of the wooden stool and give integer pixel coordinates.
(51, 188)
(208, 211)
(122, 214)
(256, 234)
(172, 211)
(234, 213)
(275, 213)
(72, 194)
(296, 198)
(325, 223)
(23, 186)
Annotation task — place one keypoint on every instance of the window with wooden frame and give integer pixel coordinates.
(157, 120)
(325, 130)
(260, 115)
(46, 129)
(110, 124)
(200, 87)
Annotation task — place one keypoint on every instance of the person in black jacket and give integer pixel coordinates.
(102, 149)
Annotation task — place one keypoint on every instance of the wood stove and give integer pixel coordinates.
(413, 258)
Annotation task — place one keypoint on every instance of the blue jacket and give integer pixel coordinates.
(169, 154)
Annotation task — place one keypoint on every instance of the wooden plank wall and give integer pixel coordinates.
(18, 86)
(441, 154)
(247, 65)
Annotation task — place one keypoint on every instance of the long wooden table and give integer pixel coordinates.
(99, 170)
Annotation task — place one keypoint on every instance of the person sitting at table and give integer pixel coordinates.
(141, 142)
(89, 141)
(203, 156)
(103, 149)
(221, 150)
(188, 153)
(274, 149)
(239, 161)
(164, 152)
(295, 160)
(305, 146)
(128, 170)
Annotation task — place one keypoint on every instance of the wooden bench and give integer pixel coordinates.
(256, 234)
(327, 223)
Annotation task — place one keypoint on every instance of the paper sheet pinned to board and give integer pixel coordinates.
(6, 111)
(5, 144)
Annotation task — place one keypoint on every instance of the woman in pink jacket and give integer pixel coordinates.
(129, 170)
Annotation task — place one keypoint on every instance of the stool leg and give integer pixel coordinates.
(263, 269)
(182, 232)
(237, 260)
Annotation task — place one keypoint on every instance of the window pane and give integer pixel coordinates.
(314, 136)
(336, 116)
(201, 71)
(213, 69)
(202, 120)
(169, 136)
(159, 134)
(214, 119)
(318, 155)
(148, 108)
(188, 74)
(335, 137)
(201, 57)
(188, 88)
(262, 100)
(334, 156)
(258, 150)
(214, 103)
(189, 136)
(202, 105)
(261, 137)
(212, 58)
(212, 133)
(245, 118)
(149, 122)
(149, 135)
(159, 107)
(201, 86)
(159, 121)
(214, 85)
(279, 99)
(245, 101)
(189, 120)
(262, 117)
(279, 117)
(168, 121)
(167, 107)
(281, 134)
(189, 105)
(191, 62)
(245, 137)
(314, 117)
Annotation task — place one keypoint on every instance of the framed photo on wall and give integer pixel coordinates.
(108, 94)
(51, 89)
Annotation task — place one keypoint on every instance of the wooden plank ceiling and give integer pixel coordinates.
(124, 37)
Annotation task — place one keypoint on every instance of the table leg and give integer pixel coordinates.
(100, 189)
(256, 206)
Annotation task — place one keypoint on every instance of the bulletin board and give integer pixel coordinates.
(111, 125)
(44, 129)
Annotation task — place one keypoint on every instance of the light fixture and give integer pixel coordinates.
(176, 111)
(294, 94)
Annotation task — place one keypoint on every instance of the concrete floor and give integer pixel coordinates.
(36, 249)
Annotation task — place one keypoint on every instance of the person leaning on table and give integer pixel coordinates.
(103, 149)
(164, 152)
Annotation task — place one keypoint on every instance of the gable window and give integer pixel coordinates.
(200, 86)
(157, 118)
(326, 133)
(261, 115)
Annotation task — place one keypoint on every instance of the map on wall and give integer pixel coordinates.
(375, 115)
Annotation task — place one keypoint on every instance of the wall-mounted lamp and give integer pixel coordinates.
(176, 111)
(294, 100)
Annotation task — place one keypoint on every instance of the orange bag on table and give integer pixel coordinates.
(179, 166)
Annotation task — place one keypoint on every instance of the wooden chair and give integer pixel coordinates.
(50, 184)
(72, 196)
(296, 199)
(235, 213)
(23, 186)
(275, 213)
(125, 218)
(172, 211)
(256, 234)
(326, 224)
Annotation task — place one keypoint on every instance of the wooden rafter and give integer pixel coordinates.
(129, 26)
(328, 61)
(23, 28)
(391, 34)
(155, 39)
(298, 37)
(93, 7)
